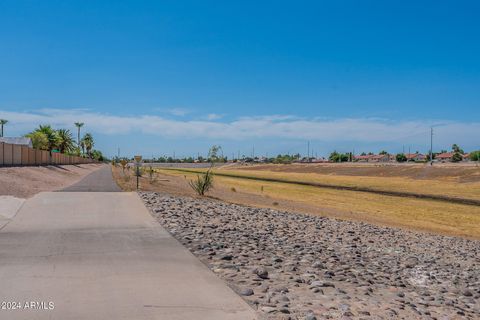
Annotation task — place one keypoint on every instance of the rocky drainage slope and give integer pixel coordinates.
(295, 266)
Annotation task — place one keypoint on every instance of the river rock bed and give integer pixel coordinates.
(296, 266)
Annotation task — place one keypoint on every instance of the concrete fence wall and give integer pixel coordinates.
(18, 155)
(1, 152)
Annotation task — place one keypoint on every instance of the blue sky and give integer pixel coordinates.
(154, 77)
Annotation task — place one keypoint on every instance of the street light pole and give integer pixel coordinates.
(431, 146)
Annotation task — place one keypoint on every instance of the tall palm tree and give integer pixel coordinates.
(87, 142)
(66, 143)
(78, 125)
(2, 122)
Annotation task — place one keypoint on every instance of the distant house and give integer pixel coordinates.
(448, 156)
(380, 158)
(363, 158)
(415, 157)
(445, 156)
(374, 158)
(23, 141)
(261, 160)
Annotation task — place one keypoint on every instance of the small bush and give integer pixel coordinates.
(203, 183)
(151, 174)
(401, 157)
(233, 189)
(457, 157)
(275, 203)
(475, 155)
(123, 163)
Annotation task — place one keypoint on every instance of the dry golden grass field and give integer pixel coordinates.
(421, 214)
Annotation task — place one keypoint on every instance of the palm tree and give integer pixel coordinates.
(66, 143)
(82, 145)
(52, 136)
(78, 125)
(2, 122)
(87, 142)
(39, 140)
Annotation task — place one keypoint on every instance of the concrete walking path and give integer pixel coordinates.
(100, 180)
(9, 206)
(103, 256)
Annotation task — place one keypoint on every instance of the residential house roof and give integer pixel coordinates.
(415, 155)
(445, 155)
(380, 156)
(364, 157)
(17, 140)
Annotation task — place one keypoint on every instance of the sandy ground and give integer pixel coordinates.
(422, 215)
(461, 172)
(25, 182)
(178, 185)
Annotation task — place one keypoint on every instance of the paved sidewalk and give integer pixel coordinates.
(100, 180)
(102, 256)
(9, 206)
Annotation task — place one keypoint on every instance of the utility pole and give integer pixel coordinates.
(253, 152)
(118, 153)
(308, 151)
(431, 145)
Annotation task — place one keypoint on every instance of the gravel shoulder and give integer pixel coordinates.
(25, 182)
(296, 266)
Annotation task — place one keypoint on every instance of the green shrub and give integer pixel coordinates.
(338, 157)
(151, 173)
(401, 157)
(203, 183)
(475, 155)
(123, 163)
(457, 157)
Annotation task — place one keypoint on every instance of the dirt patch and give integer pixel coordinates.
(458, 172)
(467, 201)
(25, 182)
(419, 214)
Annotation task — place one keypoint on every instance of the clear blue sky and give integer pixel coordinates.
(152, 77)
